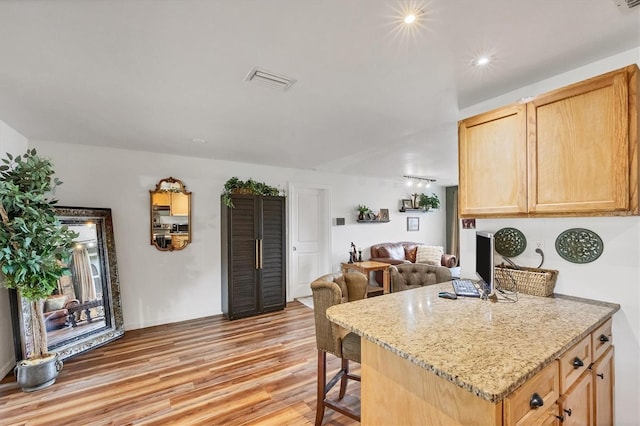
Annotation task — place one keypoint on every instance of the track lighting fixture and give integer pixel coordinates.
(419, 181)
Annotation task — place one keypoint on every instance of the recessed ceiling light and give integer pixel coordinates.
(198, 140)
(410, 18)
(482, 61)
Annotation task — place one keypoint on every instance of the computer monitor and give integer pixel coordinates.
(484, 261)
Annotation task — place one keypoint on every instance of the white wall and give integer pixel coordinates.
(14, 143)
(162, 287)
(613, 277)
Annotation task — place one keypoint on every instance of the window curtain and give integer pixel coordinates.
(83, 280)
(81, 268)
(453, 223)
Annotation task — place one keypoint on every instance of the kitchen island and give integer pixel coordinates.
(428, 360)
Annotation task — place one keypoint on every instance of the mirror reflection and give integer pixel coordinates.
(85, 310)
(170, 215)
(77, 306)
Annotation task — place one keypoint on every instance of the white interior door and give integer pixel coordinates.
(310, 235)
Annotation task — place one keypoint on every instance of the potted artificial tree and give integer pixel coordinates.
(34, 252)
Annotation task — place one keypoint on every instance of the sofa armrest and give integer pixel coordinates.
(449, 260)
(389, 260)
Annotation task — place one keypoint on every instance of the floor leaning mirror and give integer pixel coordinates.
(85, 310)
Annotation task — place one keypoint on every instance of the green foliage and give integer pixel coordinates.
(429, 202)
(250, 187)
(34, 246)
(363, 209)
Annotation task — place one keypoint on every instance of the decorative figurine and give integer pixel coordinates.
(360, 255)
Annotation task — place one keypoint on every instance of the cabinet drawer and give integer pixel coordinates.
(574, 362)
(520, 407)
(601, 339)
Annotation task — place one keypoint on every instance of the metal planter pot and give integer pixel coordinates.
(33, 375)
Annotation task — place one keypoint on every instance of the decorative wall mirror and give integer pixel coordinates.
(170, 215)
(85, 310)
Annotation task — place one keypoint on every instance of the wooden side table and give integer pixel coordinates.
(370, 266)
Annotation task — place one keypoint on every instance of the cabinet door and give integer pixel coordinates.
(243, 260)
(492, 153)
(161, 199)
(577, 404)
(603, 389)
(179, 204)
(578, 143)
(272, 254)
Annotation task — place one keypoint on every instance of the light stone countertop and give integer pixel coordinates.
(488, 348)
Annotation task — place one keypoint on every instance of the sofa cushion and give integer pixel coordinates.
(431, 255)
(410, 252)
(392, 251)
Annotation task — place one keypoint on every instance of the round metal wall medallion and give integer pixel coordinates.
(510, 242)
(579, 245)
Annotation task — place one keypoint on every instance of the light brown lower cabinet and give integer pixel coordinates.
(576, 390)
(603, 379)
(576, 406)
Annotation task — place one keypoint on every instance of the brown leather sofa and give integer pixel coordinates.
(403, 252)
(414, 275)
(56, 311)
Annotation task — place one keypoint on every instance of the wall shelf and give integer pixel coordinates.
(372, 221)
(415, 210)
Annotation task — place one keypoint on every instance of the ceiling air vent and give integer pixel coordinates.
(626, 4)
(269, 79)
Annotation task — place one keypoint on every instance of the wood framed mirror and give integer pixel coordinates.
(170, 214)
(85, 310)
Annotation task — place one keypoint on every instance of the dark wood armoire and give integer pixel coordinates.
(253, 255)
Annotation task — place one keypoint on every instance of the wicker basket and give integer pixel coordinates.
(533, 281)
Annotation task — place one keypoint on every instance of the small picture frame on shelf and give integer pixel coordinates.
(407, 204)
(413, 223)
(384, 215)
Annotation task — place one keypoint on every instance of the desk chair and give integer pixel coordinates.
(330, 290)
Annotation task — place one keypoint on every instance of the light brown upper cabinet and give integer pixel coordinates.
(570, 152)
(493, 163)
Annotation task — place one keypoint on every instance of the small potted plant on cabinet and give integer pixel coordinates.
(428, 202)
(34, 251)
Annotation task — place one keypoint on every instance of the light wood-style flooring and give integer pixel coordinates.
(210, 371)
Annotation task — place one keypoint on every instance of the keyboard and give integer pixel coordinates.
(465, 288)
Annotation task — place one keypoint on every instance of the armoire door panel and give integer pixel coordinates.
(273, 253)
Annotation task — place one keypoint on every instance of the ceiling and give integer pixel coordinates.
(371, 96)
